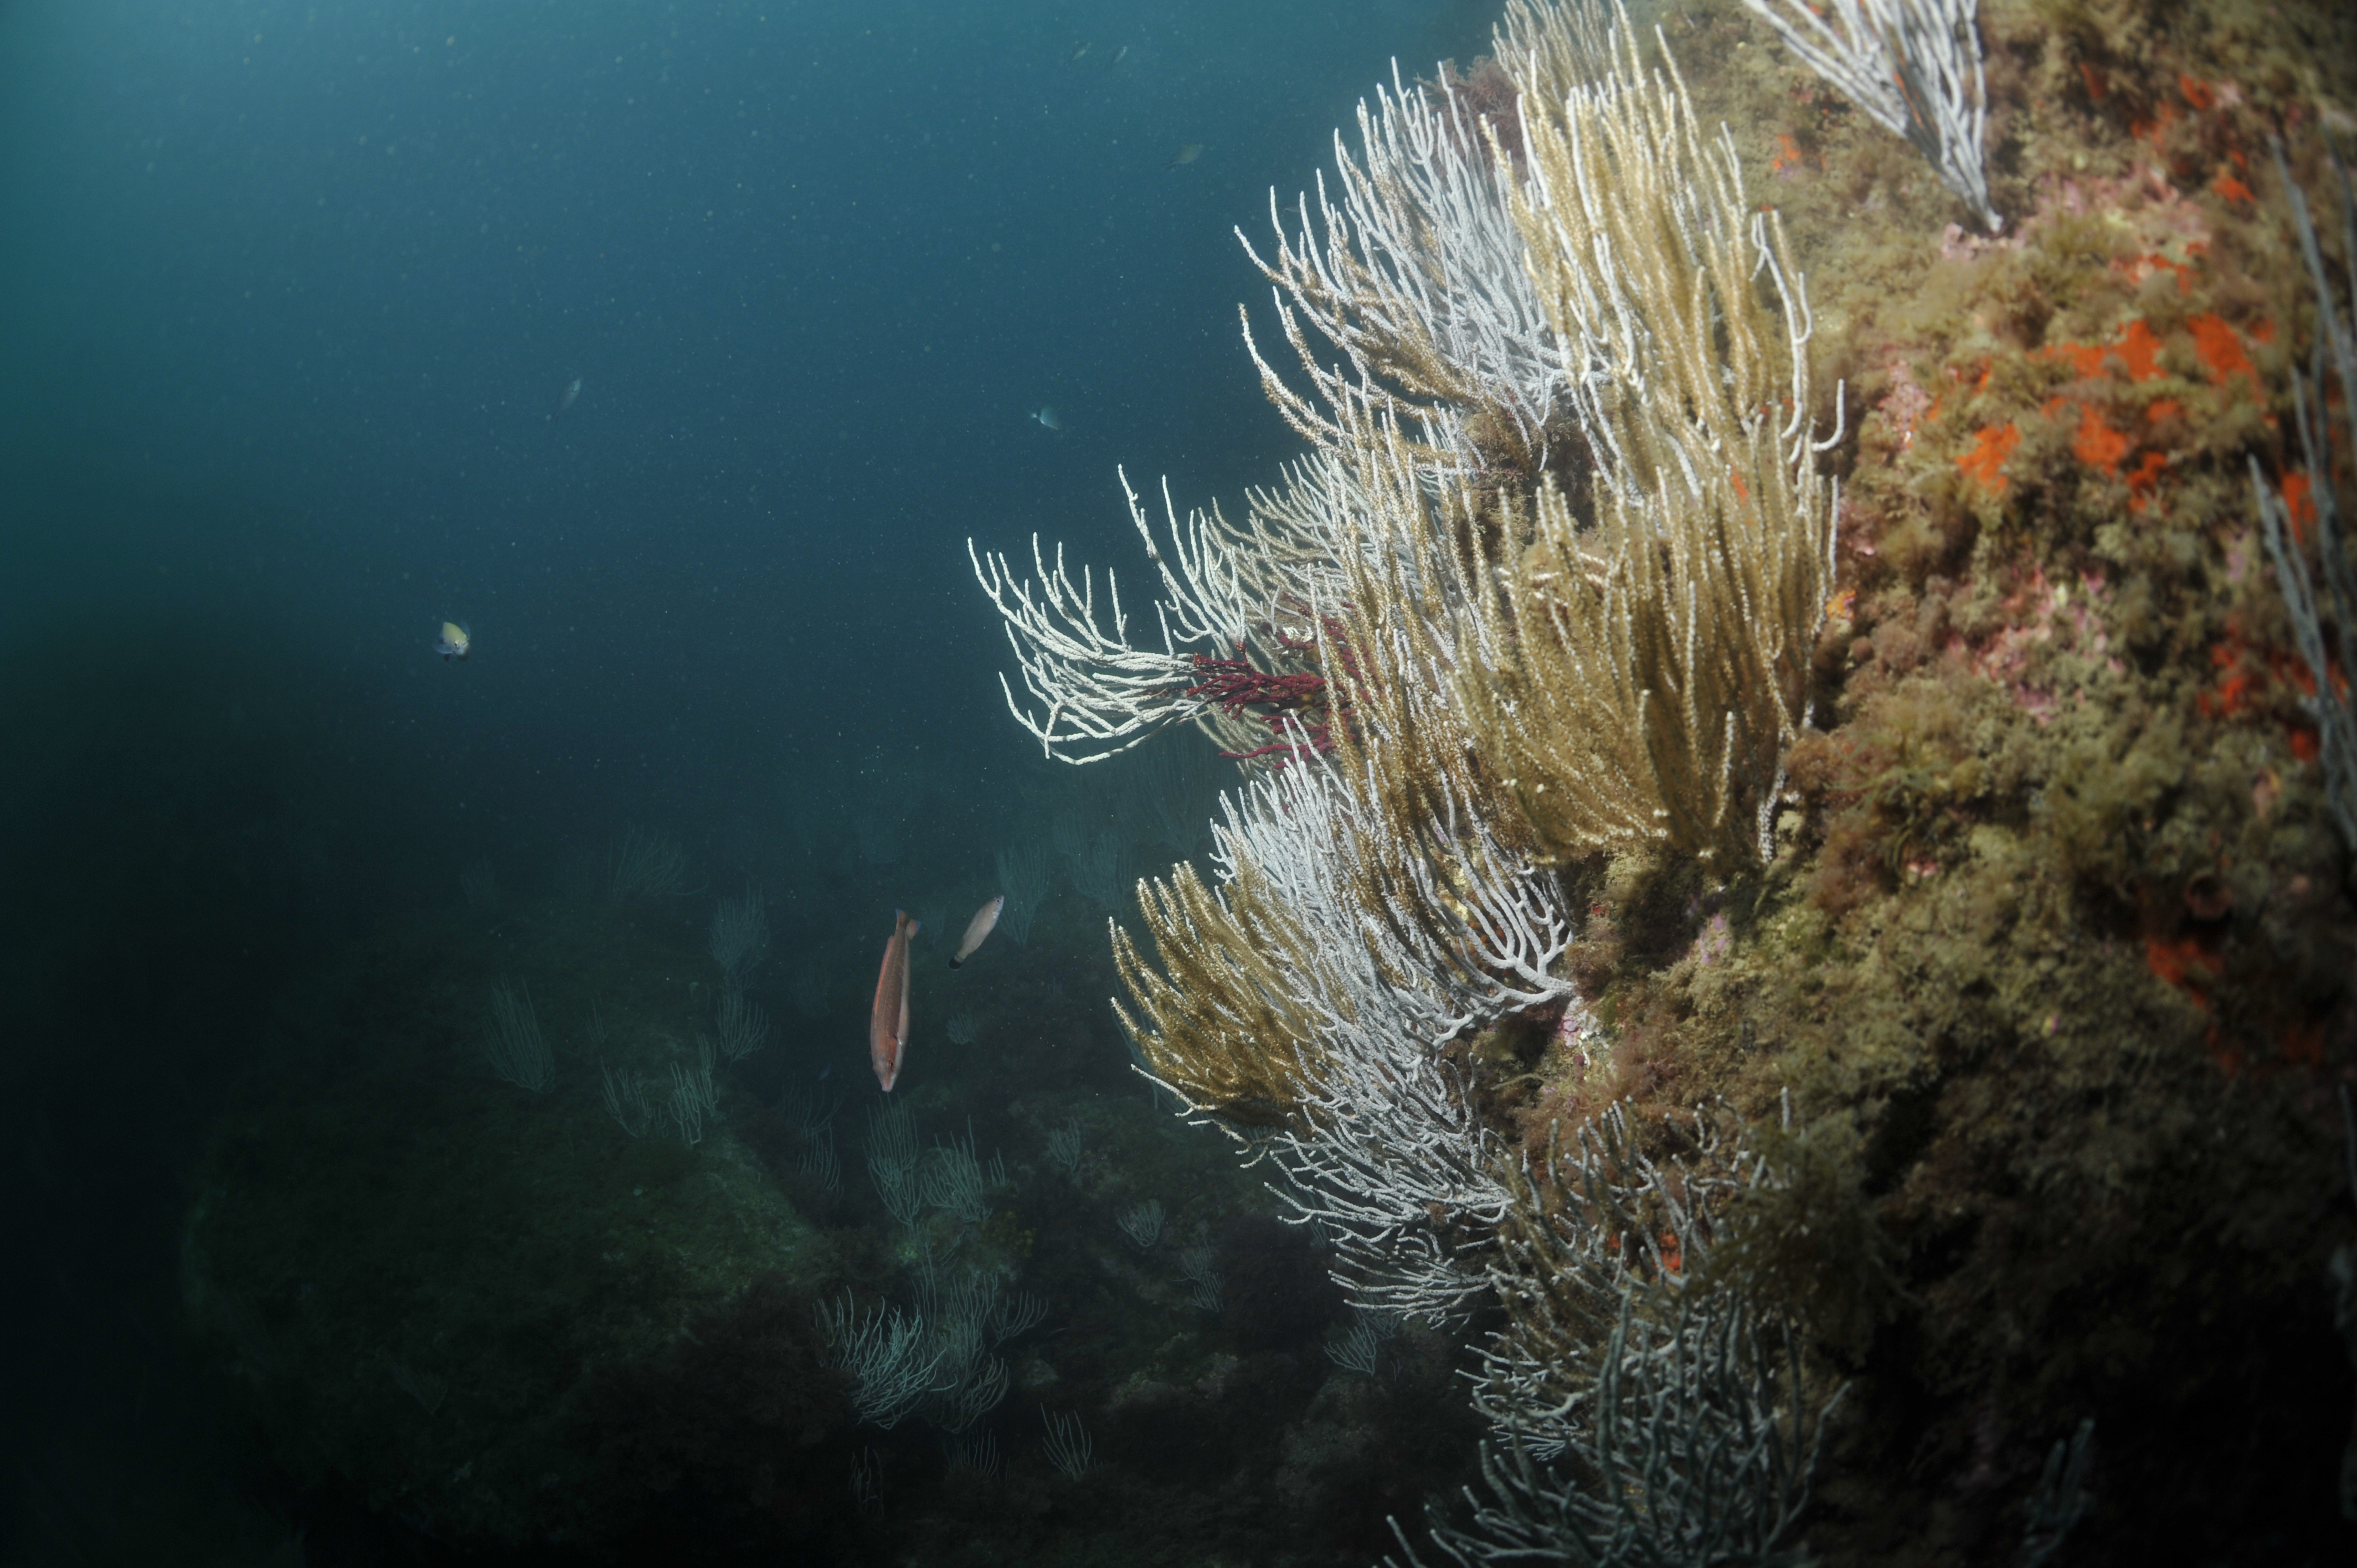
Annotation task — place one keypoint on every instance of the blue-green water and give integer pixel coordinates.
(290, 297)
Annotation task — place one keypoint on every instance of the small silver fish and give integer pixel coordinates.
(978, 930)
(1048, 418)
(456, 640)
(565, 401)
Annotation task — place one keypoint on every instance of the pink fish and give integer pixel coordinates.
(978, 930)
(887, 1025)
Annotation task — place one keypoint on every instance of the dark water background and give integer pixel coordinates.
(288, 294)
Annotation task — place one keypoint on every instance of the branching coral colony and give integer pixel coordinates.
(1548, 612)
(2309, 503)
(1914, 65)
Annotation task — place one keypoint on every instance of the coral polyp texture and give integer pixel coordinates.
(1811, 877)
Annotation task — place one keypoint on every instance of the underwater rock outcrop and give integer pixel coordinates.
(1977, 880)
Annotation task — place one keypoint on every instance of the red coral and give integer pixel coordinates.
(2182, 963)
(2249, 672)
(2097, 445)
(1985, 461)
(1297, 706)
(2139, 350)
(2300, 501)
(2222, 351)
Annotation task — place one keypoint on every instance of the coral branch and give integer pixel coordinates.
(1239, 688)
(1913, 65)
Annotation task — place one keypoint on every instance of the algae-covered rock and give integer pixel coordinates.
(2040, 1004)
(492, 1313)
